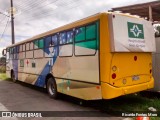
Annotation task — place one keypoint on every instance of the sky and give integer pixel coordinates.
(33, 17)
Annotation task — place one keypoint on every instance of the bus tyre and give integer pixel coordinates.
(52, 88)
(13, 77)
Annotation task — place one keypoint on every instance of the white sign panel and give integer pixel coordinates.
(130, 34)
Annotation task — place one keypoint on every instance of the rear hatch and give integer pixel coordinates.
(130, 69)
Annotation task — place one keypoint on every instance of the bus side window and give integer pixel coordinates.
(54, 40)
(24, 50)
(51, 46)
(31, 46)
(29, 50)
(17, 52)
(41, 44)
(38, 46)
(14, 52)
(66, 44)
(21, 51)
(88, 46)
(27, 46)
(20, 48)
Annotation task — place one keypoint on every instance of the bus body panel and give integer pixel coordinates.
(132, 68)
(109, 91)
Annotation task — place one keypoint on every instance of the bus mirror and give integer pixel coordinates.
(4, 52)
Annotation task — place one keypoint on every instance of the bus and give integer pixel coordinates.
(103, 56)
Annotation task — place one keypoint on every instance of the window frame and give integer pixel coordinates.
(87, 40)
(35, 49)
(41, 38)
(57, 45)
(72, 43)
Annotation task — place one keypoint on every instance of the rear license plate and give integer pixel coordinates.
(135, 77)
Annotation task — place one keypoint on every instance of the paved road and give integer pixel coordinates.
(23, 97)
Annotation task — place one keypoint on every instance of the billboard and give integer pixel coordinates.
(131, 34)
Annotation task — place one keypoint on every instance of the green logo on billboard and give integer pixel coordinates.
(135, 30)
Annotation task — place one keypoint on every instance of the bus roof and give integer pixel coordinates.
(69, 26)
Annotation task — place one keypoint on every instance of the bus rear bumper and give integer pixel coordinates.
(109, 92)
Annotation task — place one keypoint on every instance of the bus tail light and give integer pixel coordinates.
(114, 68)
(135, 58)
(150, 71)
(113, 76)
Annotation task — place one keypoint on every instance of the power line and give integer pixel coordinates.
(23, 3)
(2, 19)
(35, 8)
(32, 9)
(43, 14)
(4, 14)
(4, 29)
(30, 5)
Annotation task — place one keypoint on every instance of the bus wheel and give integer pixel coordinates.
(52, 88)
(13, 77)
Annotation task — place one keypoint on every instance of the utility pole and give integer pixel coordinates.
(12, 23)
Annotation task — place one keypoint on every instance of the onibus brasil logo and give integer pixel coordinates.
(135, 30)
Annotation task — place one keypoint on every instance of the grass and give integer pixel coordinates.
(134, 102)
(3, 76)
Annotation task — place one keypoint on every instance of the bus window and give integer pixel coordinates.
(20, 48)
(66, 40)
(91, 32)
(36, 44)
(31, 46)
(21, 52)
(27, 46)
(80, 34)
(85, 48)
(17, 52)
(24, 47)
(48, 42)
(14, 52)
(65, 50)
(63, 38)
(54, 40)
(69, 36)
(41, 44)
(51, 48)
(17, 49)
(86, 40)
(29, 50)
